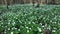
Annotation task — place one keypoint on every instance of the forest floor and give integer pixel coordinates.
(26, 19)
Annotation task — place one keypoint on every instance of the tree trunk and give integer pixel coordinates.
(53, 1)
(6, 3)
(33, 2)
(11, 2)
(38, 4)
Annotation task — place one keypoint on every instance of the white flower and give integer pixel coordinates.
(18, 29)
(30, 28)
(13, 23)
(20, 21)
(55, 28)
(29, 22)
(39, 29)
(9, 20)
(42, 26)
(33, 22)
(53, 31)
(27, 27)
(25, 22)
(45, 24)
(27, 30)
(55, 22)
(8, 28)
(1, 23)
(44, 18)
(2, 26)
(5, 32)
(11, 32)
(40, 23)
(8, 23)
(50, 20)
(15, 28)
